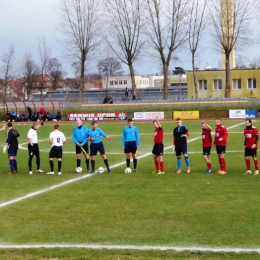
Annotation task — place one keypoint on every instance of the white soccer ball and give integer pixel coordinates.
(101, 170)
(79, 170)
(128, 170)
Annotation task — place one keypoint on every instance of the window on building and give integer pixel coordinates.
(111, 82)
(217, 84)
(125, 82)
(251, 83)
(120, 82)
(116, 82)
(202, 84)
(236, 83)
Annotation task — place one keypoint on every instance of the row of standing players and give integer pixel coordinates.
(131, 143)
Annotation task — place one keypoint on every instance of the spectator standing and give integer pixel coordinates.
(96, 145)
(133, 94)
(131, 143)
(220, 143)
(56, 140)
(79, 137)
(33, 147)
(158, 147)
(251, 145)
(30, 113)
(12, 145)
(206, 144)
(180, 134)
(58, 115)
(126, 94)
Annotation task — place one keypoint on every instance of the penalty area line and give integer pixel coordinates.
(140, 248)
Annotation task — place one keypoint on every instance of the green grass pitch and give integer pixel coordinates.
(138, 209)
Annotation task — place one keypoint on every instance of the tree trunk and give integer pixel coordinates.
(82, 75)
(194, 76)
(165, 81)
(132, 74)
(227, 67)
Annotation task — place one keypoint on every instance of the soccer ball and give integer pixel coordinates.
(79, 170)
(128, 170)
(101, 170)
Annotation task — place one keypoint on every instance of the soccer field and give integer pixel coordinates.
(130, 216)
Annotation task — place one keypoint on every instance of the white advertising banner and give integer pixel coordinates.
(237, 113)
(148, 115)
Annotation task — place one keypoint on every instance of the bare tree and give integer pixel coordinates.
(167, 29)
(29, 71)
(125, 26)
(45, 54)
(231, 26)
(109, 67)
(196, 27)
(8, 59)
(79, 23)
(54, 69)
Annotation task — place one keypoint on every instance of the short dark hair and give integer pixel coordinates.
(177, 119)
(56, 126)
(93, 122)
(129, 120)
(9, 124)
(249, 120)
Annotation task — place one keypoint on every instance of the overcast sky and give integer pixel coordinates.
(25, 22)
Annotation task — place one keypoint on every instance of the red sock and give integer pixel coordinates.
(209, 165)
(223, 164)
(248, 164)
(256, 164)
(162, 166)
(157, 165)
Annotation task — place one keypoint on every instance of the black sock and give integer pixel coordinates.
(78, 162)
(87, 163)
(127, 162)
(59, 166)
(51, 166)
(107, 165)
(93, 165)
(135, 163)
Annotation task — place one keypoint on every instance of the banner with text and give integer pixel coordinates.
(148, 115)
(237, 113)
(186, 114)
(96, 116)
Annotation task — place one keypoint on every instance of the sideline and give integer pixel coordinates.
(33, 194)
(140, 248)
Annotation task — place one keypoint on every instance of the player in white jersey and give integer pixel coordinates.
(56, 140)
(33, 148)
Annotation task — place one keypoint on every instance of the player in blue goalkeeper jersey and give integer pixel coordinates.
(131, 143)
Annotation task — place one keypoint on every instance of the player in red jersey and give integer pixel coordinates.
(206, 144)
(220, 142)
(251, 144)
(158, 147)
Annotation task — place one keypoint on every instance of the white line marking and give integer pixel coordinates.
(33, 194)
(141, 248)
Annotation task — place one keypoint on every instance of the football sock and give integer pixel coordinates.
(256, 164)
(179, 163)
(87, 163)
(78, 162)
(106, 163)
(187, 160)
(127, 162)
(248, 164)
(51, 165)
(93, 165)
(135, 163)
(15, 165)
(12, 165)
(209, 165)
(162, 166)
(222, 164)
(59, 166)
(156, 165)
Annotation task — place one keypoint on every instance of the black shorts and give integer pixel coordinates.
(206, 150)
(130, 147)
(220, 149)
(251, 152)
(33, 150)
(158, 149)
(56, 152)
(94, 148)
(12, 152)
(79, 150)
(181, 150)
